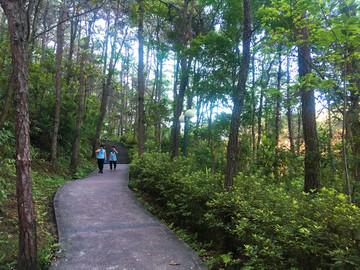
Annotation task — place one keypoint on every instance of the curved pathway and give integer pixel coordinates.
(102, 226)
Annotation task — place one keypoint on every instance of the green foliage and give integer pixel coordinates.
(174, 186)
(44, 186)
(259, 224)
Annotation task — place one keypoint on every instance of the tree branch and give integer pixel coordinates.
(70, 18)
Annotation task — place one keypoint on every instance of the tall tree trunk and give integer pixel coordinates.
(185, 65)
(263, 84)
(238, 99)
(108, 79)
(330, 151)
(354, 120)
(288, 105)
(45, 35)
(211, 139)
(158, 101)
(16, 13)
(141, 83)
(277, 115)
(253, 113)
(312, 155)
(73, 30)
(299, 135)
(83, 59)
(58, 59)
(184, 80)
(260, 117)
(343, 139)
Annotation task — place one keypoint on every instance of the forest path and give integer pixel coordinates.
(122, 156)
(102, 226)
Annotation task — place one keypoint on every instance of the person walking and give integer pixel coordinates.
(113, 158)
(101, 158)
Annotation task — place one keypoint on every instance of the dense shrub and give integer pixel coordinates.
(259, 224)
(174, 186)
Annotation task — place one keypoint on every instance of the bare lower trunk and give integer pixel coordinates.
(277, 117)
(179, 107)
(253, 107)
(232, 149)
(141, 84)
(59, 52)
(76, 144)
(16, 13)
(312, 155)
(288, 112)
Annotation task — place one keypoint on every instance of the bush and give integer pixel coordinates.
(259, 224)
(272, 227)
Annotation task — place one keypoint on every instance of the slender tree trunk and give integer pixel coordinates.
(354, 120)
(260, 117)
(264, 84)
(238, 99)
(343, 139)
(58, 59)
(44, 36)
(141, 83)
(73, 31)
(16, 13)
(185, 65)
(288, 103)
(277, 115)
(108, 79)
(299, 135)
(184, 80)
(211, 139)
(158, 101)
(312, 155)
(253, 114)
(76, 144)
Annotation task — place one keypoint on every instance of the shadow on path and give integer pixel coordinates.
(102, 226)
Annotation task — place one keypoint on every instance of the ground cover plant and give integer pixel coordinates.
(259, 224)
(45, 182)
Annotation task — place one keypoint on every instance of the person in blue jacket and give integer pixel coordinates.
(101, 158)
(112, 158)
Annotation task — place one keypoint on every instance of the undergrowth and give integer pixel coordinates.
(45, 182)
(260, 224)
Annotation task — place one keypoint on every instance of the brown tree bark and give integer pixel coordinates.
(185, 65)
(238, 99)
(288, 105)
(312, 155)
(83, 59)
(110, 73)
(141, 83)
(60, 31)
(211, 138)
(253, 113)
(16, 13)
(264, 82)
(354, 120)
(277, 115)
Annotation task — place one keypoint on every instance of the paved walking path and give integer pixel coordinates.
(102, 226)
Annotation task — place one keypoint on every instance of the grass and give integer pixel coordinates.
(45, 182)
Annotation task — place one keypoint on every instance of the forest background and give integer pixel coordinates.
(272, 185)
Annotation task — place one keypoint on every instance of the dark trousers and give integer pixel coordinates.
(111, 163)
(101, 164)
